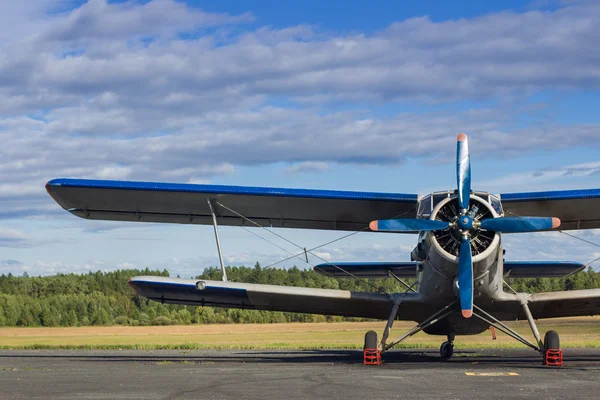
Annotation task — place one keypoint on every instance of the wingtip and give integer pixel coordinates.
(53, 182)
(132, 284)
(461, 137)
(555, 223)
(467, 313)
(374, 225)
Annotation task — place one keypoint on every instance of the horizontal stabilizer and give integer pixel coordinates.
(541, 269)
(368, 269)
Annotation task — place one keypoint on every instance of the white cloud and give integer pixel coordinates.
(543, 179)
(42, 268)
(14, 267)
(11, 234)
(126, 265)
(308, 166)
(55, 267)
(13, 238)
(548, 246)
(201, 169)
(416, 58)
(35, 13)
(114, 172)
(100, 20)
(322, 256)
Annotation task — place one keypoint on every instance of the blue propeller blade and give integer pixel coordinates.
(519, 224)
(407, 225)
(465, 278)
(463, 171)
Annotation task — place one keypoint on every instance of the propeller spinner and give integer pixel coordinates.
(465, 226)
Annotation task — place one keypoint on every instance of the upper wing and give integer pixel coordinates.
(277, 298)
(577, 209)
(187, 204)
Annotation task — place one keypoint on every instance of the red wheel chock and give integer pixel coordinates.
(372, 357)
(554, 357)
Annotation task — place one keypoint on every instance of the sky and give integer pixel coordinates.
(346, 95)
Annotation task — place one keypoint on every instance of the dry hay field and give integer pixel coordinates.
(574, 332)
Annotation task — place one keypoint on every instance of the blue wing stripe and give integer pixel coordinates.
(552, 195)
(234, 190)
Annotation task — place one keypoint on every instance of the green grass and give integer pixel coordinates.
(579, 332)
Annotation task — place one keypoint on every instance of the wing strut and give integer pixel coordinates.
(214, 218)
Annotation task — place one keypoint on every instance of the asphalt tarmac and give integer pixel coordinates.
(471, 374)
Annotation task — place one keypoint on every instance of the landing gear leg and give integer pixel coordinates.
(532, 324)
(549, 348)
(388, 326)
(447, 348)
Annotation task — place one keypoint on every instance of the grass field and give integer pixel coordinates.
(574, 332)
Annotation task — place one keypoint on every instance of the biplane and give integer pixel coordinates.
(458, 262)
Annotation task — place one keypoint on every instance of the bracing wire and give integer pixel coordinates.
(304, 250)
(276, 245)
(574, 237)
(318, 247)
(285, 239)
(570, 235)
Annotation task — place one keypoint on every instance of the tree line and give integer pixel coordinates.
(105, 298)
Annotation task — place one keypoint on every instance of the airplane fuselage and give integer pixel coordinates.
(438, 282)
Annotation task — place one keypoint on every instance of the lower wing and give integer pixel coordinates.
(251, 296)
(570, 303)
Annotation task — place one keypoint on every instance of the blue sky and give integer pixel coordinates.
(347, 95)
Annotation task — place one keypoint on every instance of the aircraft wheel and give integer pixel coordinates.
(370, 340)
(447, 350)
(551, 341)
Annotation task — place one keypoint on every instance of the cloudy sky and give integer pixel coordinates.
(347, 95)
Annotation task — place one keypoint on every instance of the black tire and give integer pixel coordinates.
(551, 340)
(446, 350)
(370, 340)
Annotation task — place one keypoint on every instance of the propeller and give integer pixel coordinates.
(463, 172)
(464, 226)
(408, 225)
(519, 224)
(465, 277)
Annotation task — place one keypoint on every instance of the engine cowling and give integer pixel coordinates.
(448, 241)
